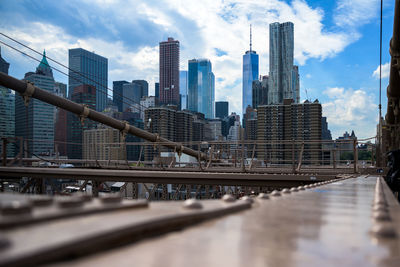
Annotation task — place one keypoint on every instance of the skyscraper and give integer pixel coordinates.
(60, 125)
(250, 73)
(4, 65)
(83, 94)
(201, 87)
(183, 87)
(169, 72)
(260, 92)
(283, 80)
(117, 94)
(157, 90)
(94, 68)
(132, 94)
(221, 109)
(7, 110)
(36, 121)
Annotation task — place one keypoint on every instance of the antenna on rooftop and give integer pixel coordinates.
(250, 37)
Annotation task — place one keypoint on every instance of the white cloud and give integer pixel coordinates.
(385, 71)
(349, 109)
(123, 64)
(202, 27)
(354, 13)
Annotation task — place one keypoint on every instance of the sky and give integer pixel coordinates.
(336, 44)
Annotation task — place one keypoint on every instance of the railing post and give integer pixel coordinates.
(293, 163)
(334, 158)
(4, 151)
(355, 153)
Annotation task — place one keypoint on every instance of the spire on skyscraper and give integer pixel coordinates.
(44, 67)
(250, 37)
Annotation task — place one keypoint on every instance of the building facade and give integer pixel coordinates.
(221, 109)
(82, 94)
(91, 69)
(283, 75)
(145, 103)
(260, 92)
(118, 94)
(103, 144)
(183, 87)
(169, 72)
(278, 124)
(7, 111)
(132, 94)
(35, 122)
(201, 84)
(60, 126)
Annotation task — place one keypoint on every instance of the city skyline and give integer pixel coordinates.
(337, 63)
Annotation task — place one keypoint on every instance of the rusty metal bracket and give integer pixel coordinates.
(84, 114)
(124, 131)
(30, 89)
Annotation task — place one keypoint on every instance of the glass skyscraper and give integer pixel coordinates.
(282, 76)
(250, 73)
(183, 88)
(36, 121)
(201, 86)
(7, 110)
(221, 109)
(94, 68)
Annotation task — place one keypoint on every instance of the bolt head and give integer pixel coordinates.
(381, 215)
(263, 196)
(383, 230)
(301, 188)
(247, 198)
(275, 193)
(192, 203)
(69, 202)
(111, 198)
(16, 207)
(228, 198)
(41, 201)
(294, 189)
(285, 191)
(4, 242)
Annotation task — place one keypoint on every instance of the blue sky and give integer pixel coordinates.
(336, 44)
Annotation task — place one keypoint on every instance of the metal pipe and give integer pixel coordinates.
(22, 88)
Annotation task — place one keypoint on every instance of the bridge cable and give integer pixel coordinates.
(75, 72)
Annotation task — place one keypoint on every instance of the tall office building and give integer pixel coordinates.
(201, 86)
(183, 87)
(88, 68)
(143, 89)
(157, 91)
(36, 121)
(4, 65)
(221, 109)
(283, 77)
(118, 94)
(250, 73)
(169, 72)
(296, 84)
(60, 126)
(7, 110)
(260, 92)
(82, 94)
(132, 94)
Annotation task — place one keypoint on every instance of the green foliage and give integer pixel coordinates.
(362, 155)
